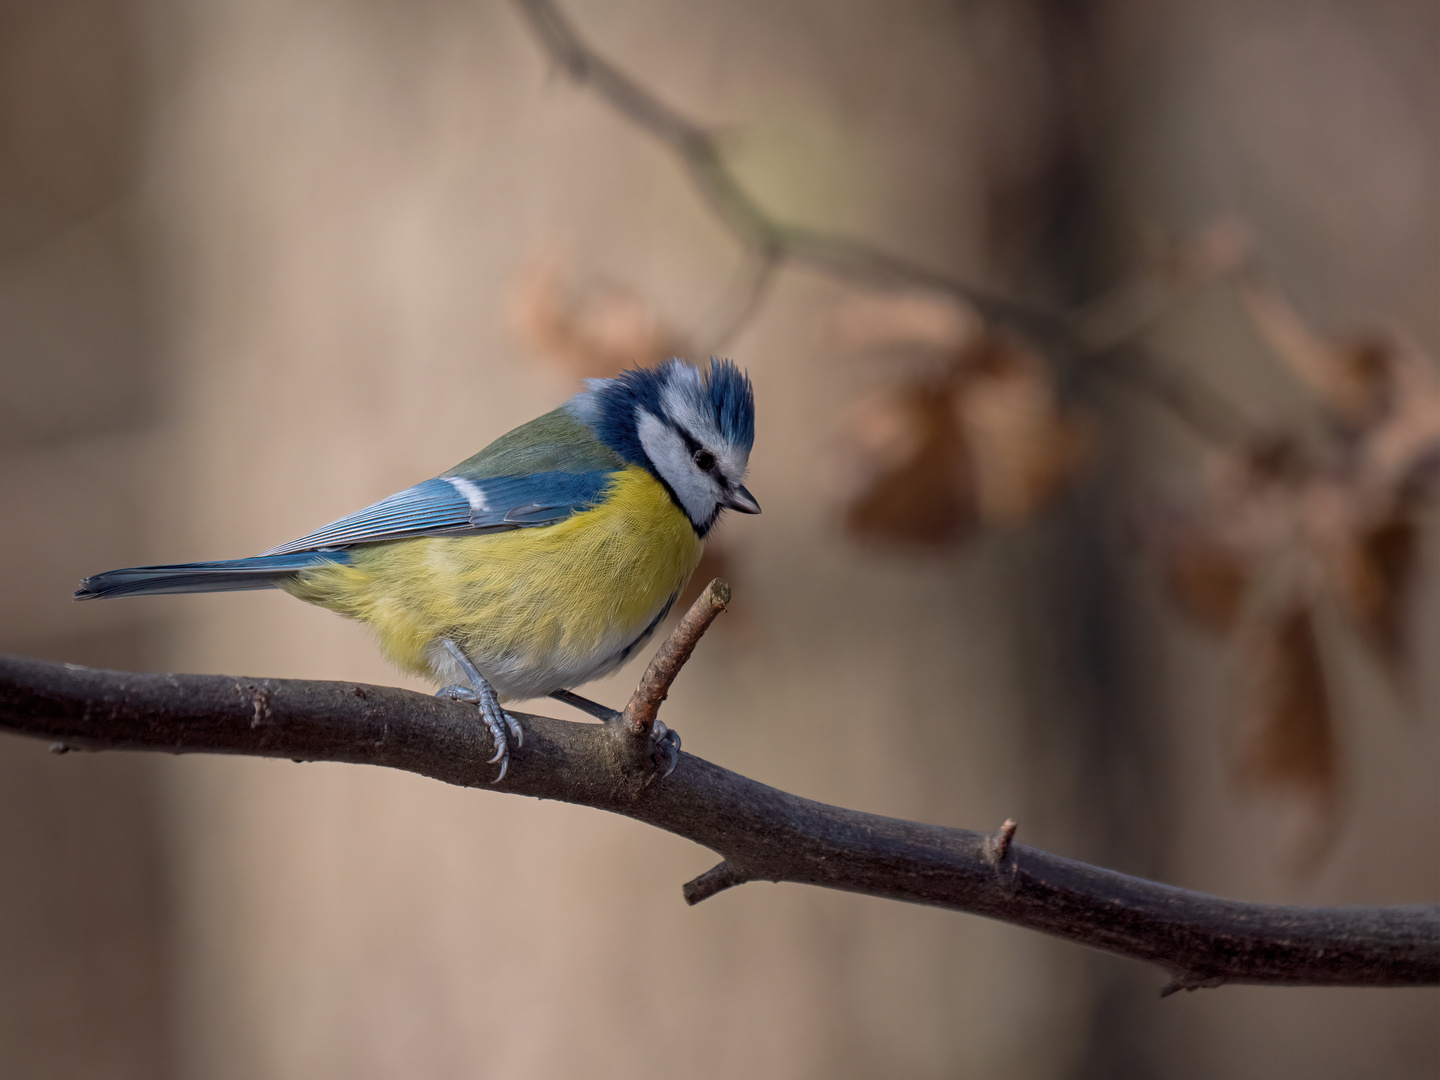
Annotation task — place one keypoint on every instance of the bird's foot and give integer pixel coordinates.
(664, 743)
(502, 726)
(664, 748)
(481, 693)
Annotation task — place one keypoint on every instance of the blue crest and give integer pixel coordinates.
(723, 395)
(733, 399)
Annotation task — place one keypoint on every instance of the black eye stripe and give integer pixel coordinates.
(692, 444)
(696, 450)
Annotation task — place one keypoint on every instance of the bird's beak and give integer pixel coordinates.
(741, 499)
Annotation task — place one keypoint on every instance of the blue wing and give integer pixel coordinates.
(461, 506)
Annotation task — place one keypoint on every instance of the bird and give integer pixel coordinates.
(537, 565)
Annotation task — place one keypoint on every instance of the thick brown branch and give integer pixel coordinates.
(761, 833)
(654, 686)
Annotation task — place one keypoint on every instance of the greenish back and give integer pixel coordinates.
(555, 442)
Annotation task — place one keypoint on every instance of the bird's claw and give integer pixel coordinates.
(497, 720)
(664, 743)
(664, 748)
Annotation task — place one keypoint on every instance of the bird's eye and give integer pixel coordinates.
(704, 460)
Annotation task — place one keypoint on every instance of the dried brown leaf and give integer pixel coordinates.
(1404, 446)
(920, 490)
(986, 441)
(1217, 546)
(1370, 572)
(1206, 576)
(593, 330)
(1286, 739)
(1351, 379)
(1381, 387)
(1024, 449)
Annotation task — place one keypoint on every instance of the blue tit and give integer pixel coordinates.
(537, 565)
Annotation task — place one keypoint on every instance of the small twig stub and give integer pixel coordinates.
(997, 845)
(999, 853)
(717, 879)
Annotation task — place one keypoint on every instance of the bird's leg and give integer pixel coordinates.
(664, 743)
(481, 693)
(585, 705)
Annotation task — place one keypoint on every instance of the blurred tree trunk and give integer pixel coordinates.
(1092, 719)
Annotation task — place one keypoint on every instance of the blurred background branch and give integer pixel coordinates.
(1103, 333)
(771, 240)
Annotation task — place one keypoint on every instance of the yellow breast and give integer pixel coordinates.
(536, 609)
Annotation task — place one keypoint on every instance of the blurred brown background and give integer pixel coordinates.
(259, 266)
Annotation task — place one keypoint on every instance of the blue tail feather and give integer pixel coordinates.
(232, 575)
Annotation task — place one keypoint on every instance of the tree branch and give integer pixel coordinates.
(698, 152)
(761, 833)
(1096, 336)
(654, 685)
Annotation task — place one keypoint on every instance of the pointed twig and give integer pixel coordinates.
(997, 846)
(640, 714)
(1002, 857)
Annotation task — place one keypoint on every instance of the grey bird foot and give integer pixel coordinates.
(664, 743)
(664, 748)
(584, 704)
(481, 693)
(501, 724)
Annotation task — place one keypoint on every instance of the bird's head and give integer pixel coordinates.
(692, 430)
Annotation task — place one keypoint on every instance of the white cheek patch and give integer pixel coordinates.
(685, 401)
(697, 493)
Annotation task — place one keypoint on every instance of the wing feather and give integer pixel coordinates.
(460, 506)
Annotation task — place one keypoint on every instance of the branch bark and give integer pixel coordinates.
(762, 834)
(639, 716)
